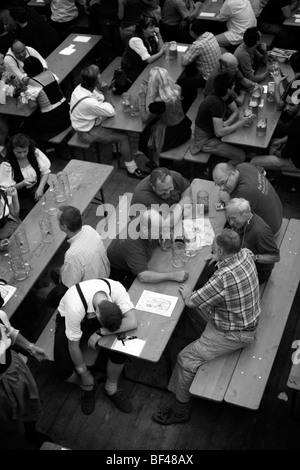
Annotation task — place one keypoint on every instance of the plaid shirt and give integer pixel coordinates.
(206, 52)
(231, 296)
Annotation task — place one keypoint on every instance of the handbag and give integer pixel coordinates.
(120, 82)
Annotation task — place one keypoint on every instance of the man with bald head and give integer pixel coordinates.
(15, 56)
(130, 252)
(247, 181)
(228, 64)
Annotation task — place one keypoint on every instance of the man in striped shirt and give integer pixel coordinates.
(230, 304)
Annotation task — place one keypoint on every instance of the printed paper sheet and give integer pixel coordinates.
(7, 292)
(132, 346)
(204, 231)
(153, 302)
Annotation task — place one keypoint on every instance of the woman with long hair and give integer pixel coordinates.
(171, 127)
(31, 169)
(145, 46)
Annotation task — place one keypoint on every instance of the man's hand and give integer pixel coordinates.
(180, 276)
(38, 194)
(38, 353)
(93, 341)
(185, 291)
(224, 196)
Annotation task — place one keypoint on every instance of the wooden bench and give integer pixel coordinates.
(213, 379)
(182, 152)
(75, 142)
(46, 338)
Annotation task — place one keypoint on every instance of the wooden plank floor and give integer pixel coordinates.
(212, 426)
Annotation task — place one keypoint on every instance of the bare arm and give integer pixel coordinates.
(155, 277)
(129, 322)
(220, 131)
(234, 116)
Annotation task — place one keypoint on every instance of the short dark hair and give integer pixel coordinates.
(229, 240)
(222, 83)
(295, 62)
(70, 217)
(89, 76)
(110, 315)
(19, 14)
(251, 36)
(159, 174)
(32, 66)
(198, 26)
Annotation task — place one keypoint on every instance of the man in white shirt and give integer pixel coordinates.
(85, 259)
(98, 303)
(239, 16)
(15, 56)
(90, 105)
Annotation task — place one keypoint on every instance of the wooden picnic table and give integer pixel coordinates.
(210, 9)
(247, 135)
(126, 122)
(154, 329)
(90, 179)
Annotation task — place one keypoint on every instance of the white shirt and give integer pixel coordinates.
(44, 164)
(63, 10)
(90, 111)
(71, 306)
(240, 16)
(85, 259)
(138, 46)
(15, 65)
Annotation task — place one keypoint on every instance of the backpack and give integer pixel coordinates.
(120, 82)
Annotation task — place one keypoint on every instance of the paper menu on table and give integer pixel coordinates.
(7, 292)
(181, 48)
(204, 232)
(208, 15)
(154, 302)
(82, 38)
(68, 50)
(132, 346)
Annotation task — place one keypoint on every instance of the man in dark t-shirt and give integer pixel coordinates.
(247, 181)
(255, 235)
(165, 188)
(218, 116)
(130, 252)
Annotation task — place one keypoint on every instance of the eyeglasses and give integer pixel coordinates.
(223, 183)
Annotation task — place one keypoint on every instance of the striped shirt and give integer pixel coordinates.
(206, 52)
(231, 296)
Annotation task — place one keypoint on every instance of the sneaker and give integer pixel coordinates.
(139, 174)
(122, 403)
(168, 416)
(88, 401)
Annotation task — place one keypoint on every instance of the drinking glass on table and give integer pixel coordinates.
(178, 254)
(261, 126)
(22, 241)
(135, 106)
(190, 239)
(46, 230)
(19, 269)
(203, 198)
(126, 102)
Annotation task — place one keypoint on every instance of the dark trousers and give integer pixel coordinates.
(63, 363)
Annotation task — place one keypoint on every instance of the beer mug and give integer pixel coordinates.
(190, 239)
(63, 176)
(135, 106)
(165, 239)
(270, 92)
(22, 241)
(19, 269)
(46, 230)
(203, 198)
(173, 50)
(59, 190)
(178, 254)
(261, 126)
(126, 102)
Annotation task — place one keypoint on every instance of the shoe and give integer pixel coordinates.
(139, 174)
(122, 403)
(148, 165)
(168, 416)
(88, 401)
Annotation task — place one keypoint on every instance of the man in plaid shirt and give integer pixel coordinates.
(230, 304)
(205, 50)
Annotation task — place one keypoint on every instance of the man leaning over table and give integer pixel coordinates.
(15, 56)
(129, 256)
(103, 308)
(90, 105)
(218, 116)
(175, 18)
(228, 64)
(167, 189)
(229, 304)
(248, 181)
